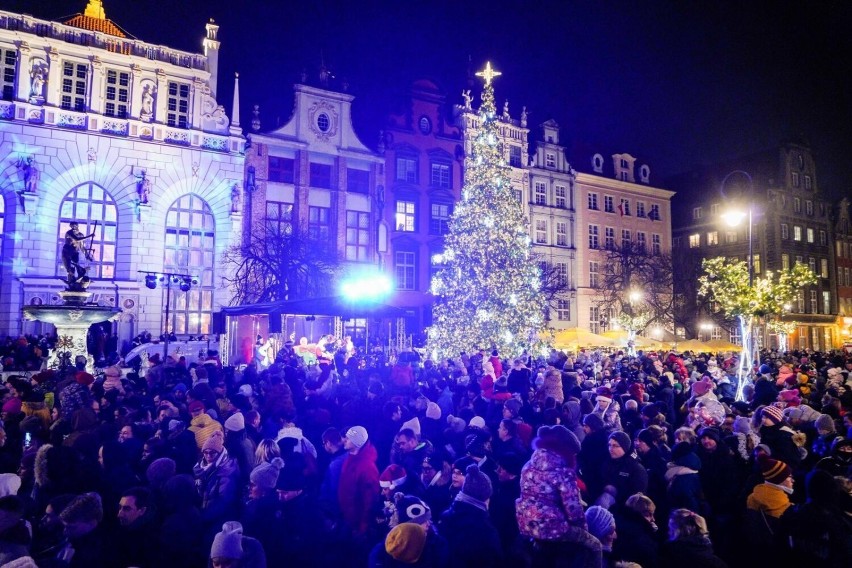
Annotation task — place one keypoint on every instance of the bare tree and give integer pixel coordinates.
(281, 262)
(636, 283)
(690, 307)
(554, 283)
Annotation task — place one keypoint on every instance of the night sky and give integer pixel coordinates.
(676, 84)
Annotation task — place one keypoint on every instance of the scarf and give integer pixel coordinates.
(464, 498)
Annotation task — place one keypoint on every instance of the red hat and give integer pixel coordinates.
(604, 394)
(392, 477)
(84, 378)
(12, 406)
(789, 395)
(636, 389)
(196, 405)
(774, 471)
(702, 387)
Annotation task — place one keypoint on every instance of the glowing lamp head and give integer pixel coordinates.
(366, 288)
(151, 281)
(734, 218)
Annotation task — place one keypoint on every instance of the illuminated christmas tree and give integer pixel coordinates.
(488, 289)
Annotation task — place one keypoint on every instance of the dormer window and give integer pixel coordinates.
(623, 165)
(550, 160)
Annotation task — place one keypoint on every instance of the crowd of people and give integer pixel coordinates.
(478, 461)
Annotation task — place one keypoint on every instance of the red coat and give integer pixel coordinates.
(498, 366)
(358, 488)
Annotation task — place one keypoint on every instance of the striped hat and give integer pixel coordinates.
(774, 471)
(773, 413)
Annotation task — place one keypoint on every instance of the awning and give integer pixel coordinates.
(325, 306)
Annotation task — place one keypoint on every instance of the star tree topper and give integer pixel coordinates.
(488, 73)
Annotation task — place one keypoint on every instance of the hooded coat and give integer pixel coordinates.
(550, 499)
(359, 487)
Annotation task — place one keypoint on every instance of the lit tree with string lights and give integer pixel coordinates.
(488, 290)
(727, 284)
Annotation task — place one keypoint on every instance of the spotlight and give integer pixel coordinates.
(151, 281)
(311, 318)
(186, 284)
(195, 281)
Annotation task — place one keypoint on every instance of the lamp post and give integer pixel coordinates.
(733, 218)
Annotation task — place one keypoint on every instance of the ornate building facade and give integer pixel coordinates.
(791, 223)
(125, 138)
(843, 260)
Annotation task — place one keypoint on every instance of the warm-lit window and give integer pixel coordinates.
(826, 302)
(540, 231)
(357, 236)
(797, 233)
(810, 233)
(755, 259)
(800, 301)
(823, 267)
(713, 238)
(812, 264)
(88, 204)
(814, 304)
(694, 241)
(785, 262)
(405, 216)
(190, 249)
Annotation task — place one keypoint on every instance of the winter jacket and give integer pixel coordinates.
(695, 552)
(472, 538)
(780, 441)
(203, 426)
(552, 388)
(684, 488)
(550, 499)
(359, 487)
(218, 487)
(637, 540)
(770, 499)
(627, 475)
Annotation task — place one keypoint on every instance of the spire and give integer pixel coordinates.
(95, 9)
(235, 111)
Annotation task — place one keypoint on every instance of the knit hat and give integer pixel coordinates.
(600, 521)
(765, 369)
(476, 485)
(511, 462)
(477, 422)
(773, 413)
(85, 507)
(235, 422)
(645, 436)
(456, 424)
(229, 542)
(358, 436)
(789, 395)
(413, 425)
(604, 394)
(701, 387)
(265, 475)
(12, 406)
(513, 405)
(180, 387)
(412, 509)
(216, 441)
(622, 439)
(174, 425)
(160, 471)
(405, 542)
(84, 378)
(774, 471)
(433, 411)
(824, 423)
(245, 390)
(195, 406)
(9, 484)
(711, 433)
(392, 477)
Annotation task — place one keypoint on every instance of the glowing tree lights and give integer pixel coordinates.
(488, 291)
(727, 284)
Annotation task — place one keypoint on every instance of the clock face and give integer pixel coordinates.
(425, 125)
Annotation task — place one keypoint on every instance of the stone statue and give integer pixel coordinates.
(31, 174)
(467, 99)
(74, 245)
(255, 118)
(236, 196)
(143, 187)
(524, 117)
(37, 81)
(147, 112)
(506, 110)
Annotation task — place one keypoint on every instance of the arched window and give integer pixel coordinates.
(87, 204)
(2, 217)
(189, 249)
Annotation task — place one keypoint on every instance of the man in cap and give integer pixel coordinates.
(359, 480)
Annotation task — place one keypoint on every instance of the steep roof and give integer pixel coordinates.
(94, 19)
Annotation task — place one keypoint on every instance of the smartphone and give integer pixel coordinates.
(28, 440)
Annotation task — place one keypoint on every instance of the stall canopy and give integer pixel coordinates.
(325, 306)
